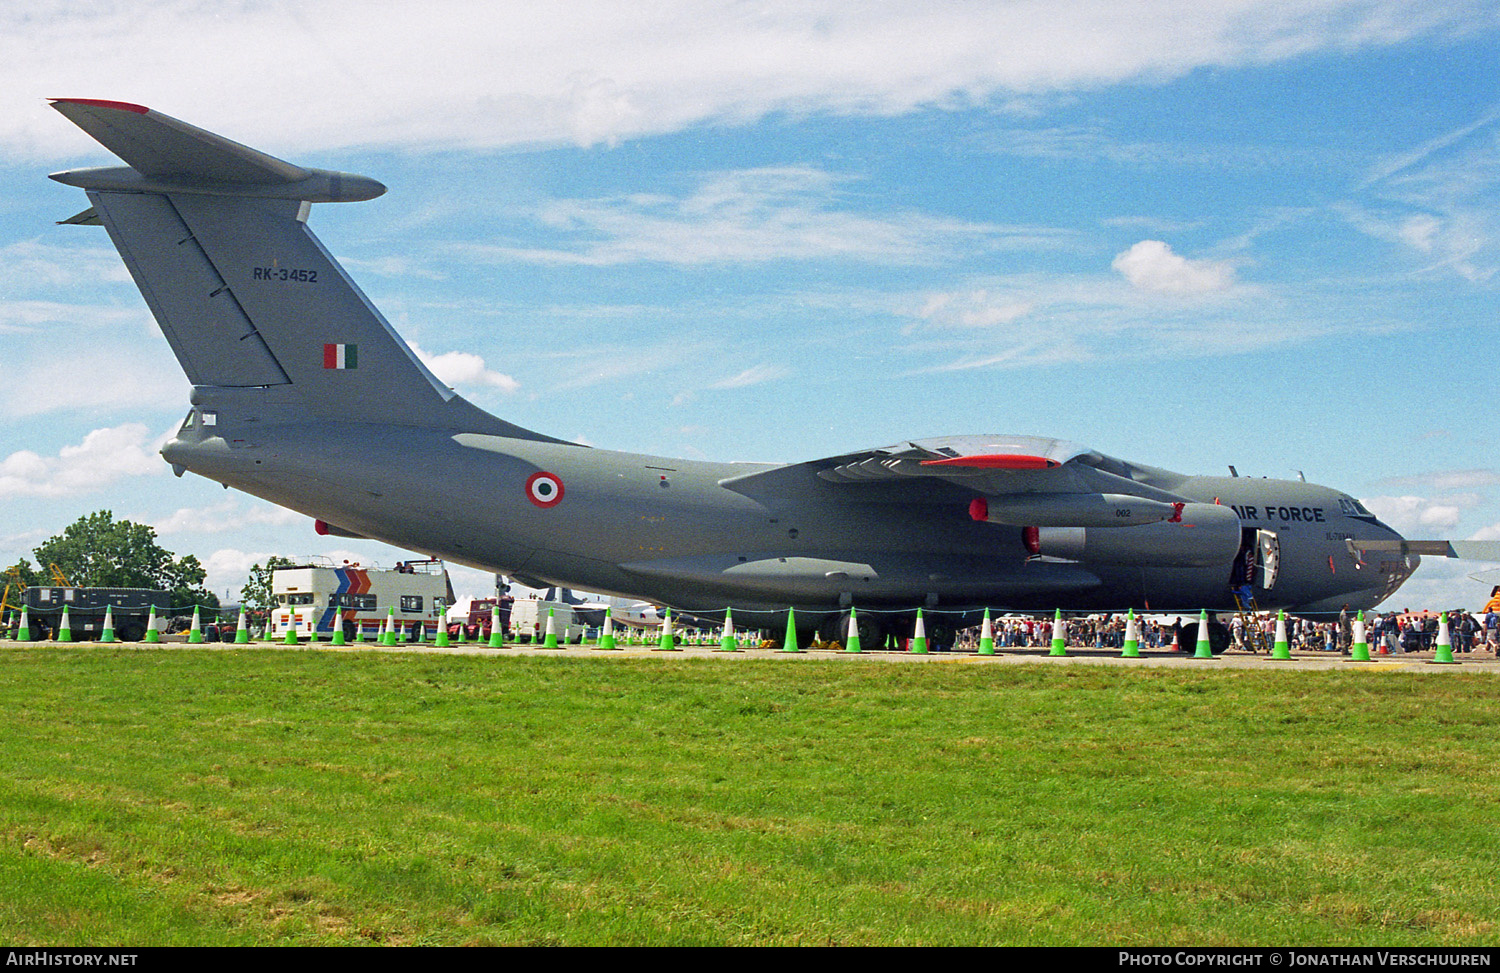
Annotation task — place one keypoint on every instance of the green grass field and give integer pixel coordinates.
(262, 796)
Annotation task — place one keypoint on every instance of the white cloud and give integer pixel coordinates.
(1038, 320)
(103, 457)
(974, 309)
(1408, 513)
(123, 377)
(1419, 231)
(1448, 480)
(21, 316)
(754, 375)
(467, 73)
(1490, 533)
(462, 368)
(32, 263)
(1438, 201)
(1152, 266)
(226, 516)
(751, 216)
(227, 569)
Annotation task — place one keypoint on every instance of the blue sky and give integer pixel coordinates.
(1189, 234)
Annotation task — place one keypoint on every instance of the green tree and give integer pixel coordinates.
(255, 596)
(96, 551)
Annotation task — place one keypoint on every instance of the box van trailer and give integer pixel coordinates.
(129, 610)
(315, 595)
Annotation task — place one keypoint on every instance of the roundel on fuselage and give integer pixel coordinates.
(544, 489)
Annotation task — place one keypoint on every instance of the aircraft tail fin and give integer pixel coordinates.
(215, 235)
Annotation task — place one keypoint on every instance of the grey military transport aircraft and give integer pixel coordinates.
(304, 395)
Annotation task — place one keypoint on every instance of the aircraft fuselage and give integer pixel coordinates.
(668, 529)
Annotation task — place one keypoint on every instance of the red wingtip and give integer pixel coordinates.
(997, 461)
(101, 103)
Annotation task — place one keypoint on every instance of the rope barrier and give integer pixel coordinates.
(1023, 628)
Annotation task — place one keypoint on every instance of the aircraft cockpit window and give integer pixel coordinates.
(1353, 507)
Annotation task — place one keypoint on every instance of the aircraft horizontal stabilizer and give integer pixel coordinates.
(164, 154)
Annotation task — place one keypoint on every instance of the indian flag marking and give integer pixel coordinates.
(340, 356)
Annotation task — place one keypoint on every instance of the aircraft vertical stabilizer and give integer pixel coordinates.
(215, 235)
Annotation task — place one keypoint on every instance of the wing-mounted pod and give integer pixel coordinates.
(1204, 535)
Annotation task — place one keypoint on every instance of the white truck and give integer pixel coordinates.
(528, 621)
(315, 594)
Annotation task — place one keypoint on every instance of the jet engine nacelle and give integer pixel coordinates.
(1208, 534)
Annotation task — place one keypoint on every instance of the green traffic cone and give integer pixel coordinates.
(727, 641)
(1204, 650)
(1444, 654)
(291, 637)
(1360, 651)
(987, 635)
(668, 641)
(1059, 635)
(851, 644)
(1281, 649)
(108, 635)
(919, 636)
(338, 630)
(549, 641)
(497, 634)
(153, 627)
(789, 644)
(388, 637)
(440, 639)
(23, 634)
(195, 634)
(242, 631)
(607, 634)
(1132, 638)
(64, 628)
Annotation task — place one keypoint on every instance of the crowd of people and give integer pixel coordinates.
(1392, 632)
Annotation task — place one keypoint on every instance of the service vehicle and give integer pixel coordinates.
(528, 620)
(315, 594)
(474, 621)
(130, 610)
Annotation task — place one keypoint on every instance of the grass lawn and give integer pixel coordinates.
(261, 796)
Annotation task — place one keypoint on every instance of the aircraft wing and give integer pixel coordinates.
(1020, 480)
(1462, 550)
